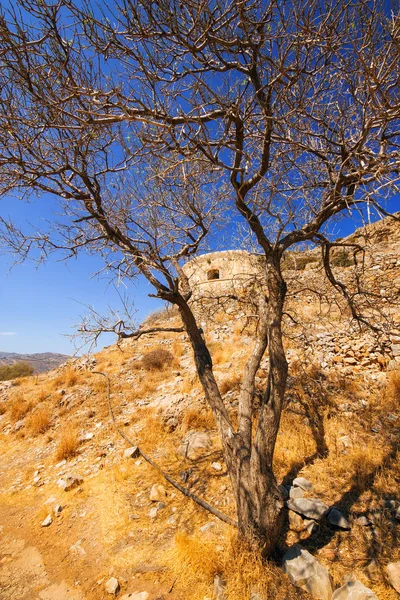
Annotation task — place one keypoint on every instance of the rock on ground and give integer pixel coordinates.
(337, 519)
(393, 573)
(132, 452)
(47, 521)
(158, 493)
(312, 508)
(306, 572)
(112, 586)
(195, 444)
(302, 483)
(354, 590)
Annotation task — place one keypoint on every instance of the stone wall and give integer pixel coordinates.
(225, 273)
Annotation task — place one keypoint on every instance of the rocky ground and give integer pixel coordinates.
(85, 518)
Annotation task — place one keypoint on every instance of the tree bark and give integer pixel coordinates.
(249, 457)
(258, 499)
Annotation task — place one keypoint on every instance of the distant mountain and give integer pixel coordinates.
(44, 361)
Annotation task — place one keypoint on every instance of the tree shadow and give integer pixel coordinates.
(380, 517)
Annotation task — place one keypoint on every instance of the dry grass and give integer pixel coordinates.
(67, 378)
(68, 444)
(189, 384)
(197, 560)
(230, 382)
(221, 353)
(19, 408)
(39, 421)
(197, 419)
(157, 360)
(392, 392)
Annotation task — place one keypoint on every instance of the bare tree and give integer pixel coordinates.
(151, 121)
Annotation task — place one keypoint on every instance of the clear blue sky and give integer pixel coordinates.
(39, 306)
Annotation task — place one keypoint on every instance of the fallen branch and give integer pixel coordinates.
(214, 511)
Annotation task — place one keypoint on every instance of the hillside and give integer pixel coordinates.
(113, 515)
(41, 362)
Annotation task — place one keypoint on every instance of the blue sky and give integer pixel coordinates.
(40, 306)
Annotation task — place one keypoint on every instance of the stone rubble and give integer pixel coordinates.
(112, 586)
(306, 572)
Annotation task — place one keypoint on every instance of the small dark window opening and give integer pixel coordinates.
(213, 274)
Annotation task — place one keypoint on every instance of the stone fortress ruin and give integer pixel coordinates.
(228, 274)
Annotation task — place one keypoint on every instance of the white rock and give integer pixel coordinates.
(312, 508)
(69, 482)
(207, 526)
(57, 509)
(393, 573)
(112, 586)
(216, 466)
(302, 483)
(153, 512)
(47, 521)
(195, 444)
(354, 590)
(131, 452)
(306, 572)
(158, 493)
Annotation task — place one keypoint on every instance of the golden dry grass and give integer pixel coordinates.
(39, 421)
(196, 560)
(19, 408)
(230, 382)
(68, 444)
(67, 378)
(197, 419)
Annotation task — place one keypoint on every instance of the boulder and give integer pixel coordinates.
(312, 508)
(303, 483)
(337, 519)
(195, 444)
(306, 572)
(354, 590)
(158, 493)
(393, 575)
(296, 492)
(112, 586)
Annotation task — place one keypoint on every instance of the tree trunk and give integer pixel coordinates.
(258, 499)
(249, 462)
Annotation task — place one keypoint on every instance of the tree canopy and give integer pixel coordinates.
(152, 123)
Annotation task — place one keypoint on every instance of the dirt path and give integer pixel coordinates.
(23, 574)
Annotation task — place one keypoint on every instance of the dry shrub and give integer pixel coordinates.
(157, 360)
(197, 419)
(42, 395)
(68, 378)
(199, 560)
(241, 567)
(19, 408)
(231, 382)
(68, 444)
(189, 384)
(160, 315)
(177, 350)
(392, 393)
(39, 421)
(221, 353)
